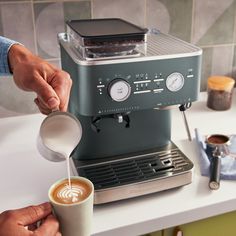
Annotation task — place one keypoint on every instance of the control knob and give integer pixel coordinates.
(119, 90)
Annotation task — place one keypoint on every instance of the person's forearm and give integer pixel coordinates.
(5, 45)
(18, 53)
(32, 73)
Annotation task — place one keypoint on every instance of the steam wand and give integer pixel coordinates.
(183, 108)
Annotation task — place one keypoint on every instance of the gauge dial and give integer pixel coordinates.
(175, 81)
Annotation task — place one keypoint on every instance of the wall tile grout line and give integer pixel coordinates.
(43, 1)
(54, 1)
(217, 45)
(193, 21)
(92, 4)
(232, 59)
(145, 13)
(34, 27)
(234, 40)
(233, 45)
(15, 2)
(234, 34)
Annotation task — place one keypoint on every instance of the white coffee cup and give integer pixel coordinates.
(75, 219)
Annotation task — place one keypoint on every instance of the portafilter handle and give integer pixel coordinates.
(215, 167)
(219, 143)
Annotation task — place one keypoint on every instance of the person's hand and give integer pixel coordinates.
(22, 222)
(32, 73)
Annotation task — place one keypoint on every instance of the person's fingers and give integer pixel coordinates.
(46, 93)
(61, 83)
(33, 227)
(31, 214)
(49, 227)
(43, 109)
(58, 234)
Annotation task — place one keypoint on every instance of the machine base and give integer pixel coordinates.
(138, 174)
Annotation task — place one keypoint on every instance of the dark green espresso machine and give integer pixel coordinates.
(125, 81)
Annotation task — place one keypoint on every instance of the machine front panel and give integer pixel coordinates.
(116, 88)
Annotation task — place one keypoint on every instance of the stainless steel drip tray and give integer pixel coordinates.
(135, 175)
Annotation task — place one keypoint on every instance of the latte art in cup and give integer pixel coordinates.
(62, 193)
(73, 206)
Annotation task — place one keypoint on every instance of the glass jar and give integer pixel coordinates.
(220, 92)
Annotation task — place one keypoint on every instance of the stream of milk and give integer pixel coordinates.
(61, 134)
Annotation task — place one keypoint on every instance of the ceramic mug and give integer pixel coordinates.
(75, 219)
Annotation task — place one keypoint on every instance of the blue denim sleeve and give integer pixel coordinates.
(5, 45)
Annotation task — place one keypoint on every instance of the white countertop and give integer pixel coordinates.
(26, 177)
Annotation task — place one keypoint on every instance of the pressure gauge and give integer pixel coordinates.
(175, 81)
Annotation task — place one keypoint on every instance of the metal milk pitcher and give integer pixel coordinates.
(59, 134)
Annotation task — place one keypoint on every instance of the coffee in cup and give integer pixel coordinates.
(65, 194)
(73, 206)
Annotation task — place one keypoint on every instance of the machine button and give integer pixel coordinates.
(119, 90)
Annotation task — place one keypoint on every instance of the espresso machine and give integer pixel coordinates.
(126, 79)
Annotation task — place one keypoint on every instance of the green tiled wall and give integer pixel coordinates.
(209, 24)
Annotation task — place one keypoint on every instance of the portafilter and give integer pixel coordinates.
(218, 143)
